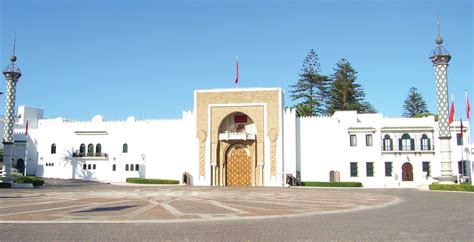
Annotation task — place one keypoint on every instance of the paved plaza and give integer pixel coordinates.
(74, 210)
(158, 204)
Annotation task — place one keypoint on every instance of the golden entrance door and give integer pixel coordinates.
(239, 167)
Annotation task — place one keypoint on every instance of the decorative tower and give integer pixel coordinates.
(12, 73)
(440, 58)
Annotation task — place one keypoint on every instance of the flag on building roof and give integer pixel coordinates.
(462, 128)
(451, 112)
(237, 71)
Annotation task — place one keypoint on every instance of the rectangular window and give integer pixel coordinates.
(353, 169)
(406, 144)
(425, 144)
(368, 140)
(462, 167)
(388, 168)
(459, 139)
(387, 145)
(353, 140)
(369, 169)
(426, 167)
(114, 167)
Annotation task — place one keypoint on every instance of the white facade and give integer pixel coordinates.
(309, 147)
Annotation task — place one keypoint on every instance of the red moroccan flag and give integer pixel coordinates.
(468, 108)
(451, 112)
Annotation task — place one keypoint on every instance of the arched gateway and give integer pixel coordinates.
(236, 146)
(239, 134)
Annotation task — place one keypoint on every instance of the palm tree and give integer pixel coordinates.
(70, 159)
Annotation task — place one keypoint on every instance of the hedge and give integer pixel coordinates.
(151, 181)
(29, 179)
(331, 184)
(5, 185)
(465, 187)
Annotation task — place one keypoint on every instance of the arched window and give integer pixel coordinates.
(131, 167)
(94, 166)
(89, 167)
(90, 150)
(387, 143)
(82, 149)
(406, 143)
(425, 142)
(125, 148)
(98, 149)
(84, 166)
(53, 148)
(137, 167)
(126, 167)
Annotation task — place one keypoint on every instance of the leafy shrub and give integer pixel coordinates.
(38, 182)
(5, 185)
(29, 179)
(151, 181)
(465, 187)
(331, 184)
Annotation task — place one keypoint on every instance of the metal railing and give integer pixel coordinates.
(408, 148)
(79, 154)
(237, 136)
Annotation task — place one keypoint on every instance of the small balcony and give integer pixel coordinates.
(236, 136)
(408, 149)
(90, 156)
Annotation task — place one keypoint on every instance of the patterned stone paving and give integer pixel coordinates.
(178, 204)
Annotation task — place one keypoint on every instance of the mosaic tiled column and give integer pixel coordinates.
(440, 59)
(442, 95)
(12, 73)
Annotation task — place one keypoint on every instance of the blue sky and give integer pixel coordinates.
(143, 58)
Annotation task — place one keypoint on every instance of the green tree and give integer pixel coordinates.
(345, 93)
(312, 88)
(414, 104)
(303, 110)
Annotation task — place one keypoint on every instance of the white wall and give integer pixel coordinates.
(165, 149)
(323, 145)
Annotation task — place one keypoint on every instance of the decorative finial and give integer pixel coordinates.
(439, 39)
(13, 57)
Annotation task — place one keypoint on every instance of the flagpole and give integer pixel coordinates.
(26, 148)
(468, 117)
(468, 111)
(461, 179)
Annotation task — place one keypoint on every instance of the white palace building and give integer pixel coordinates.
(240, 137)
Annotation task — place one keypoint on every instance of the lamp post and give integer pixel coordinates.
(440, 58)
